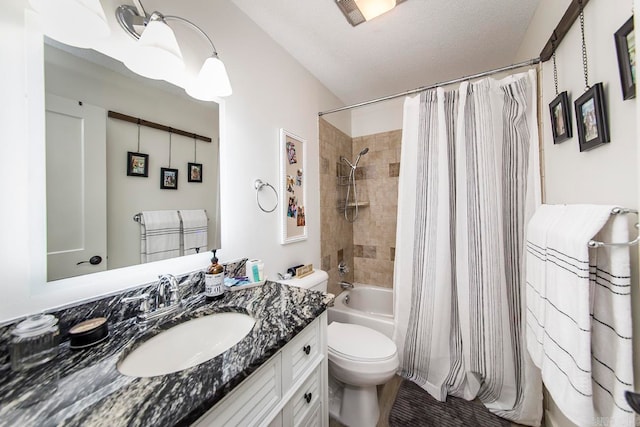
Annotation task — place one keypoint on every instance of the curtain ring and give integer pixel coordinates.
(258, 184)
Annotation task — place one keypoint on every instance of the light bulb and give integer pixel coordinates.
(156, 54)
(372, 8)
(212, 81)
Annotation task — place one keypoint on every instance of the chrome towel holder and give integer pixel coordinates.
(258, 184)
(618, 211)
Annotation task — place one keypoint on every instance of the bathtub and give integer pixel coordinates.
(366, 305)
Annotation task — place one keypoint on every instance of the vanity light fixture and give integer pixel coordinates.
(74, 22)
(359, 11)
(157, 54)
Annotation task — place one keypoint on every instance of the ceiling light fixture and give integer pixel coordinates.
(359, 11)
(157, 54)
(74, 22)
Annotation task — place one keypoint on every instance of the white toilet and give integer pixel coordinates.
(360, 358)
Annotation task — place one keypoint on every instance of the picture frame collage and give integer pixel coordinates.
(590, 108)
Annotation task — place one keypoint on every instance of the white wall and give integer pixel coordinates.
(271, 90)
(607, 174)
(377, 118)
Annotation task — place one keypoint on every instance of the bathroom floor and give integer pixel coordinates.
(386, 397)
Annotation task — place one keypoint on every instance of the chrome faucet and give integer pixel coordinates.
(345, 285)
(167, 300)
(167, 291)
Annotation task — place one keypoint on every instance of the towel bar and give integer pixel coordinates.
(618, 211)
(138, 217)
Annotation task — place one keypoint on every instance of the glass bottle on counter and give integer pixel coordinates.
(34, 341)
(214, 280)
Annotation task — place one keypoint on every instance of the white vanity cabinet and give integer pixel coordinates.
(290, 389)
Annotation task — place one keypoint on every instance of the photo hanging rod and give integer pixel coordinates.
(143, 122)
(528, 63)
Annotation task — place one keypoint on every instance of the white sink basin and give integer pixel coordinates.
(186, 345)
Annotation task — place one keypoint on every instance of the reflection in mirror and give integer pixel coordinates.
(92, 194)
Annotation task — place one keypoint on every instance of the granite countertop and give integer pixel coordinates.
(84, 388)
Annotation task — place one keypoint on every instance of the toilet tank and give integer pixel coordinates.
(316, 281)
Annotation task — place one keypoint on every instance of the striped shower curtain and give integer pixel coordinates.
(469, 181)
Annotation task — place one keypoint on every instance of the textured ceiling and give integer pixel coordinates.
(420, 42)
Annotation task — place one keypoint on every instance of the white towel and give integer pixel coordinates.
(159, 236)
(536, 263)
(560, 297)
(194, 230)
(611, 344)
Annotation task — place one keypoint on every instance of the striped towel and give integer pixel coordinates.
(194, 230)
(611, 344)
(159, 235)
(566, 329)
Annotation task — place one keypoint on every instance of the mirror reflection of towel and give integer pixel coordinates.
(159, 235)
(194, 230)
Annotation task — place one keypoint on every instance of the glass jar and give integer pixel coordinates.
(34, 342)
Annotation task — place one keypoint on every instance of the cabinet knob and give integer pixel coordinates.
(307, 397)
(306, 349)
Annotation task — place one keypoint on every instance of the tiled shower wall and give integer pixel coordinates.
(368, 245)
(336, 233)
(374, 231)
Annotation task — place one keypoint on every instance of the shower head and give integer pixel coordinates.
(360, 154)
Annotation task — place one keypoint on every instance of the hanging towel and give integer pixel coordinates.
(611, 344)
(536, 264)
(194, 230)
(561, 296)
(160, 235)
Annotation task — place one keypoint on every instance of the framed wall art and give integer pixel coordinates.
(560, 118)
(292, 187)
(591, 118)
(626, 48)
(137, 164)
(168, 179)
(195, 172)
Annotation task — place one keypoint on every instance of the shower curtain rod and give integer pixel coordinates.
(528, 63)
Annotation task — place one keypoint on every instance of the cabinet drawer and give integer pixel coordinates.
(265, 388)
(304, 349)
(314, 418)
(306, 398)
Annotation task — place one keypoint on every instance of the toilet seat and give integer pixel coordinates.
(359, 344)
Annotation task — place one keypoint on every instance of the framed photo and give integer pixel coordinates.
(626, 48)
(292, 187)
(137, 164)
(591, 118)
(560, 118)
(195, 172)
(168, 179)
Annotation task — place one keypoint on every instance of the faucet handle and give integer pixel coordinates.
(144, 301)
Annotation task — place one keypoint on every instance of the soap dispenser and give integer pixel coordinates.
(214, 280)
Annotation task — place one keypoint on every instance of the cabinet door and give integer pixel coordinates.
(303, 352)
(251, 403)
(307, 399)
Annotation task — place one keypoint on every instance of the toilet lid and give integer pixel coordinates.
(357, 342)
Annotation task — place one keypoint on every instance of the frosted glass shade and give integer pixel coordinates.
(372, 8)
(74, 22)
(156, 54)
(212, 81)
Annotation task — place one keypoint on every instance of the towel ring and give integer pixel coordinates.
(258, 184)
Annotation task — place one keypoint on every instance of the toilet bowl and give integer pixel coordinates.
(360, 358)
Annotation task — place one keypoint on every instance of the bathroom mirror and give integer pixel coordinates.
(79, 84)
